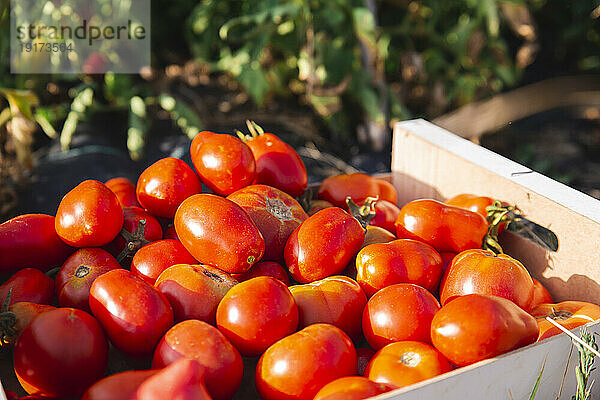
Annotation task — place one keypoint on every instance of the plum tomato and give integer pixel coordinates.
(474, 327)
(476, 204)
(351, 388)
(540, 294)
(256, 313)
(275, 213)
(134, 314)
(385, 215)
(568, 314)
(90, 215)
(60, 353)
(317, 205)
(335, 300)
(446, 228)
(218, 232)
(75, 278)
(182, 380)
(299, 365)
(139, 229)
(28, 284)
(483, 272)
(323, 245)
(399, 312)
(199, 341)
(16, 318)
(403, 363)
(165, 184)
(224, 163)
(358, 187)
(152, 259)
(364, 355)
(265, 268)
(400, 261)
(121, 386)
(30, 241)
(194, 291)
(124, 189)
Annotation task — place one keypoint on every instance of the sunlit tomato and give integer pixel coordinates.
(30, 241)
(446, 228)
(275, 213)
(224, 163)
(364, 355)
(357, 186)
(152, 259)
(323, 245)
(476, 204)
(90, 215)
(386, 214)
(351, 388)
(569, 314)
(403, 363)
(75, 278)
(218, 232)
(483, 272)
(194, 291)
(265, 268)
(317, 205)
(16, 319)
(60, 353)
(124, 189)
(399, 312)
(540, 295)
(182, 380)
(28, 284)
(134, 233)
(400, 261)
(335, 300)
(165, 184)
(121, 386)
(256, 313)
(199, 341)
(133, 313)
(474, 327)
(374, 234)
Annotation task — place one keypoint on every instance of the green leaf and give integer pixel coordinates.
(255, 83)
(183, 116)
(138, 127)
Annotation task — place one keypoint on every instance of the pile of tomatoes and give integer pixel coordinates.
(157, 290)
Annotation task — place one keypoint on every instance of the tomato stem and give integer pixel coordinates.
(134, 241)
(8, 320)
(364, 213)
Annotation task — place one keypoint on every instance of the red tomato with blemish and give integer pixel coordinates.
(28, 284)
(124, 189)
(121, 386)
(152, 259)
(568, 314)
(357, 186)
(165, 184)
(385, 215)
(351, 388)
(90, 215)
(265, 268)
(124, 246)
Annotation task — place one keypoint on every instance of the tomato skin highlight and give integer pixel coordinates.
(569, 314)
(357, 186)
(218, 232)
(165, 184)
(475, 327)
(134, 314)
(40, 357)
(121, 386)
(152, 259)
(351, 388)
(31, 241)
(124, 189)
(28, 284)
(323, 245)
(299, 365)
(90, 215)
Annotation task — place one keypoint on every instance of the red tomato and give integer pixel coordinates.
(351, 388)
(275, 213)
(60, 353)
(357, 186)
(17, 317)
(483, 272)
(568, 314)
(474, 327)
(152, 259)
(277, 163)
(540, 295)
(317, 205)
(299, 365)
(323, 245)
(28, 284)
(476, 204)
(224, 163)
(403, 363)
(194, 291)
(182, 380)
(165, 184)
(364, 355)
(265, 268)
(399, 312)
(385, 215)
(199, 341)
(124, 189)
(447, 258)
(218, 232)
(133, 313)
(400, 261)
(250, 331)
(75, 278)
(376, 234)
(30, 241)
(336, 300)
(444, 227)
(90, 215)
(121, 386)
(134, 233)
